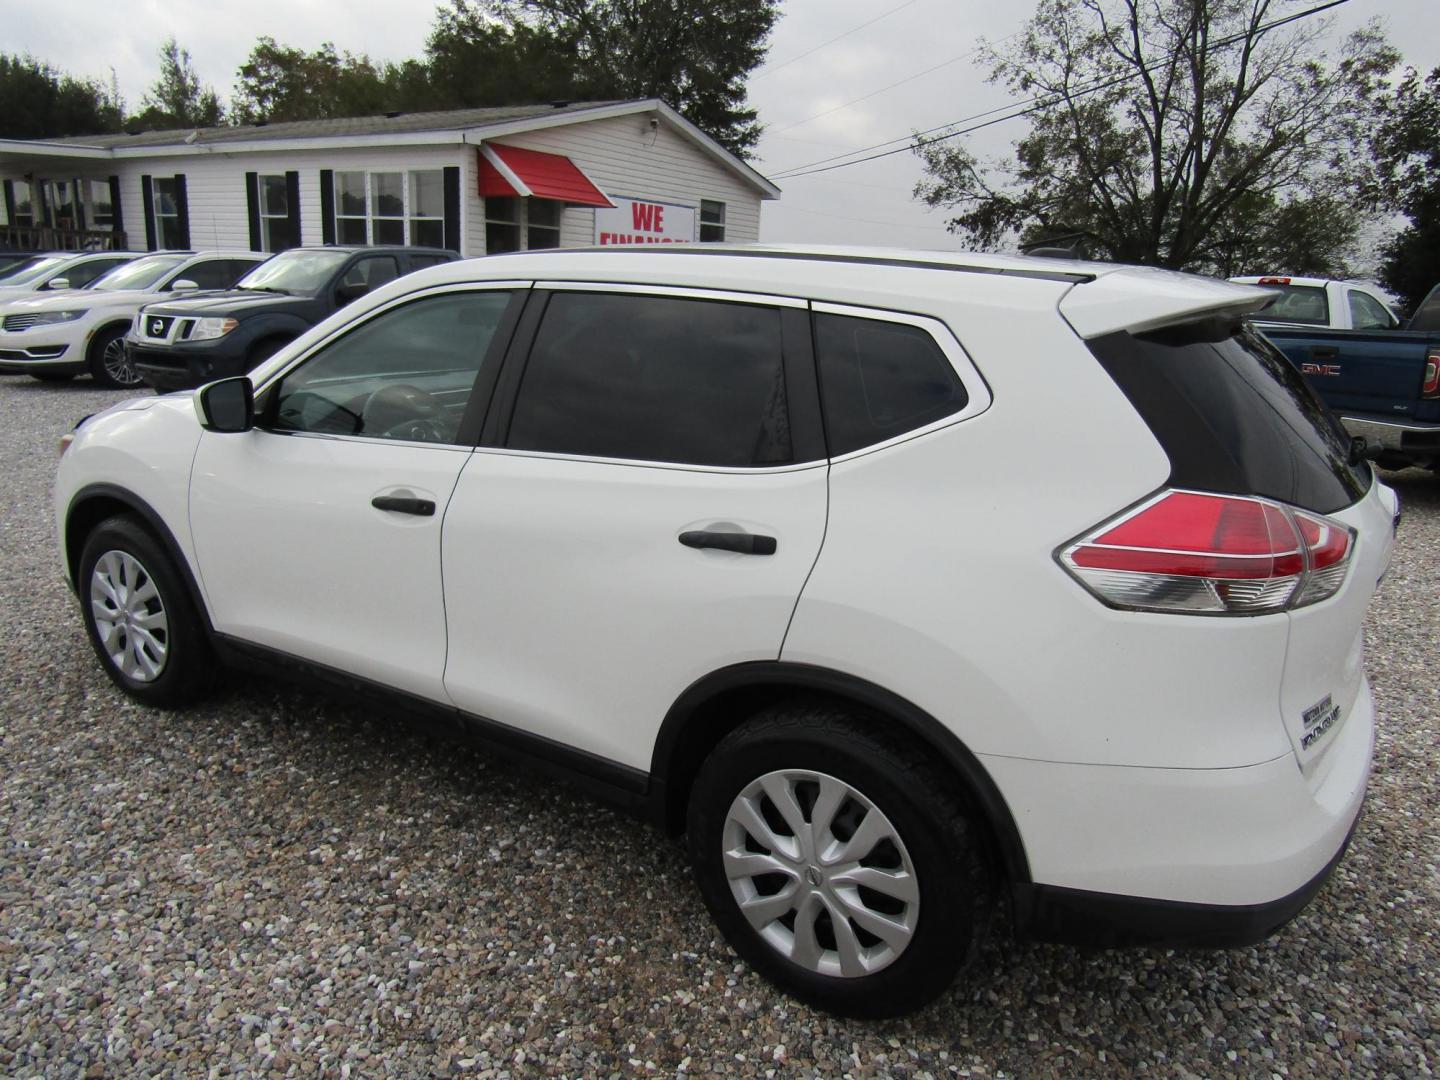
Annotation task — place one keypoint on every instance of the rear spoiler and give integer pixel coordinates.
(1139, 299)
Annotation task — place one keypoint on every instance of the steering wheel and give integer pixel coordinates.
(403, 412)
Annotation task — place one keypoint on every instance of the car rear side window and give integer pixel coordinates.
(655, 378)
(1233, 415)
(880, 379)
(1296, 304)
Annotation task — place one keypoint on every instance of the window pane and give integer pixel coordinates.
(388, 191)
(213, 274)
(500, 238)
(712, 234)
(427, 194)
(170, 235)
(1297, 304)
(1366, 313)
(279, 234)
(655, 379)
(712, 212)
(542, 238)
(373, 271)
(350, 195)
(164, 190)
(274, 196)
(406, 374)
(388, 231)
(427, 232)
(546, 212)
(502, 208)
(350, 231)
(880, 379)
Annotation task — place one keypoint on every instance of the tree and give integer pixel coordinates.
(1177, 133)
(693, 54)
(38, 102)
(1407, 180)
(177, 99)
(278, 83)
(475, 60)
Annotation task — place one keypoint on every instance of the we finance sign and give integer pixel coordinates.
(644, 221)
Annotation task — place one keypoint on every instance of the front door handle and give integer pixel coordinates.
(743, 543)
(404, 504)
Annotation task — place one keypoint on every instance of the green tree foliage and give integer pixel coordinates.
(177, 99)
(473, 59)
(693, 54)
(1175, 133)
(1407, 165)
(278, 82)
(38, 102)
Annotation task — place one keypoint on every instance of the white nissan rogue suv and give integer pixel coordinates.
(894, 580)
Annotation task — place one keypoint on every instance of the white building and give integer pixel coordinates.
(475, 180)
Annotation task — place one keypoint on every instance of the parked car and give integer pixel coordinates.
(890, 579)
(1383, 382)
(183, 343)
(54, 337)
(59, 270)
(1325, 302)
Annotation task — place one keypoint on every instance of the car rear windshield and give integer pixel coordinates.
(1296, 304)
(1234, 415)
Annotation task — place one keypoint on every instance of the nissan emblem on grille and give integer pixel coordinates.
(157, 327)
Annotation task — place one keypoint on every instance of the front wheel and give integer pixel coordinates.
(110, 365)
(837, 862)
(139, 616)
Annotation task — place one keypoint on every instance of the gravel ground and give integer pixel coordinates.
(275, 884)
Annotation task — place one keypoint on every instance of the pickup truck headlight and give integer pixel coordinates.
(209, 329)
(50, 318)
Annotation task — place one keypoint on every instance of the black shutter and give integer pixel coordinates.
(77, 202)
(119, 217)
(182, 204)
(327, 206)
(252, 208)
(452, 208)
(147, 196)
(9, 202)
(292, 198)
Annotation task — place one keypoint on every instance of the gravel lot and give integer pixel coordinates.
(271, 883)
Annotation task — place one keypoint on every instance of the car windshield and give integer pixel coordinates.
(295, 271)
(140, 274)
(31, 270)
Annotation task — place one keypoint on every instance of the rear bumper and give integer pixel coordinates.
(1123, 855)
(1414, 442)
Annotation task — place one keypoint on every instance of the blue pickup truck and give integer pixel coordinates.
(1383, 384)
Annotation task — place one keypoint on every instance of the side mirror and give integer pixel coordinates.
(227, 405)
(353, 290)
(58, 283)
(183, 285)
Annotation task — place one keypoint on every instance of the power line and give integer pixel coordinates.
(875, 93)
(1029, 105)
(837, 37)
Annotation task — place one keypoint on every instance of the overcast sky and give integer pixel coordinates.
(910, 68)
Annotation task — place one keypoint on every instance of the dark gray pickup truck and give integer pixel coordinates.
(1383, 384)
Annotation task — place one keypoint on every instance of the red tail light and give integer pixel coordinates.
(1188, 551)
(1430, 385)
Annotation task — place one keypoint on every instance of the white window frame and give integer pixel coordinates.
(701, 224)
(407, 212)
(266, 218)
(161, 218)
(92, 214)
(522, 221)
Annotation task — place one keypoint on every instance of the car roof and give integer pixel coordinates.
(353, 249)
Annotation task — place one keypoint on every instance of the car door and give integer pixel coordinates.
(644, 509)
(317, 533)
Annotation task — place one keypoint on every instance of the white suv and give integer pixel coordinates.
(892, 579)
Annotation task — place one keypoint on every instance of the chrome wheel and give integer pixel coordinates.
(820, 873)
(117, 364)
(129, 616)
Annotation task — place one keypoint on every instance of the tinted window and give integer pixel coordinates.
(372, 272)
(1234, 415)
(653, 378)
(84, 273)
(1367, 313)
(1427, 315)
(405, 374)
(880, 379)
(1297, 304)
(212, 274)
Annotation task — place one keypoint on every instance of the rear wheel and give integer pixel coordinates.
(837, 862)
(109, 363)
(139, 616)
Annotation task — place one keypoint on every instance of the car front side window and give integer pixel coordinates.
(406, 374)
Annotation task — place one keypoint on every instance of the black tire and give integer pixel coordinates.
(188, 666)
(51, 377)
(955, 888)
(109, 363)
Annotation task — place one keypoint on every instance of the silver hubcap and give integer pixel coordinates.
(820, 873)
(117, 365)
(129, 616)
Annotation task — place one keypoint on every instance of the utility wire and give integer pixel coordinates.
(837, 37)
(1029, 105)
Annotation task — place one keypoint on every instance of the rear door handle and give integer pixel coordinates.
(404, 504)
(744, 543)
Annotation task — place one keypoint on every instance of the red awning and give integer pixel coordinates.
(509, 170)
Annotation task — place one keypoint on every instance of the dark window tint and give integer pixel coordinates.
(405, 374)
(1234, 415)
(84, 273)
(1296, 304)
(1427, 315)
(213, 274)
(880, 379)
(372, 272)
(657, 379)
(420, 262)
